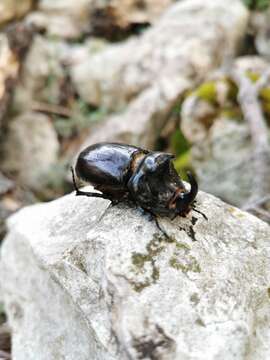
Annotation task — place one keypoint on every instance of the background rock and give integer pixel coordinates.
(30, 160)
(13, 9)
(222, 151)
(66, 19)
(76, 285)
(167, 59)
(14, 44)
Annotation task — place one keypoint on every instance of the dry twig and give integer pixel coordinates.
(248, 100)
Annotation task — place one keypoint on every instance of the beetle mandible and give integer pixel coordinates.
(124, 172)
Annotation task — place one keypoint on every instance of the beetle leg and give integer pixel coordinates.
(86, 193)
(193, 206)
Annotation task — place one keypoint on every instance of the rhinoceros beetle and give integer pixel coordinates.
(128, 173)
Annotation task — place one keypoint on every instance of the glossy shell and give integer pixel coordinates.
(125, 172)
(107, 166)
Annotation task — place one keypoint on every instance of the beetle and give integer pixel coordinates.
(123, 172)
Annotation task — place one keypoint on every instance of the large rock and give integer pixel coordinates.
(13, 9)
(30, 148)
(108, 16)
(64, 18)
(222, 150)
(14, 44)
(166, 60)
(83, 280)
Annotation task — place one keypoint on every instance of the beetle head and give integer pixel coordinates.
(157, 162)
(185, 199)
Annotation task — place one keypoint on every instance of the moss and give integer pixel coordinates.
(257, 4)
(232, 113)
(207, 91)
(191, 266)
(156, 246)
(178, 143)
(253, 76)
(265, 94)
(183, 162)
(139, 261)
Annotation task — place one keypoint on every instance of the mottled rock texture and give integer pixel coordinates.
(222, 151)
(30, 148)
(13, 9)
(150, 73)
(83, 280)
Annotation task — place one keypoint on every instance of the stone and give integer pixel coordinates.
(29, 157)
(260, 28)
(184, 41)
(13, 9)
(124, 13)
(81, 279)
(221, 147)
(41, 75)
(66, 19)
(167, 59)
(14, 43)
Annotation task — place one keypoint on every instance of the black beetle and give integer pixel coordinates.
(128, 173)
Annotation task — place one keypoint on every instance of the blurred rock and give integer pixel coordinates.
(63, 18)
(13, 9)
(145, 117)
(30, 149)
(81, 280)
(185, 40)
(171, 56)
(9, 68)
(116, 19)
(42, 74)
(5, 184)
(212, 122)
(260, 26)
(14, 43)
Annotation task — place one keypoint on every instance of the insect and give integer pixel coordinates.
(124, 172)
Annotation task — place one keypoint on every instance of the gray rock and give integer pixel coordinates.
(166, 60)
(222, 152)
(41, 75)
(184, 41)
(67, 19)
(30, 148)
(124, 13)
(82, 280)
(12, 9)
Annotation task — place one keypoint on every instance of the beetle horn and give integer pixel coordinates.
(189, 197)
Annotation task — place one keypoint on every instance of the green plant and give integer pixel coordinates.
(257, 4)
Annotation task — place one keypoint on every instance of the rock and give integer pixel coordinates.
(29, 157)
(12, 9)
(63, 18)
(42, 74)
(113, 17)
(260, 28)
(145, 117)
(177, 51)
(81, 280)
(14, 43)
(222, 150)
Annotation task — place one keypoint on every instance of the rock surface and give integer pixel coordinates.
(30, 160)
(13, 9)
(166, 60)
(81, 279)
(222, 150)
(67, 19)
